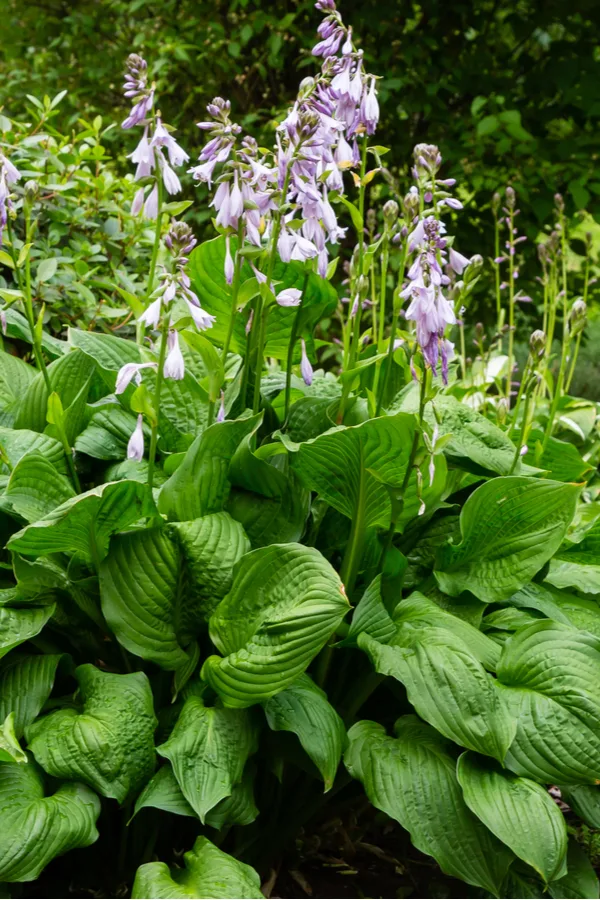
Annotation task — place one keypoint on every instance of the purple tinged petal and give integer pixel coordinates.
(135, 447)
(306, 369)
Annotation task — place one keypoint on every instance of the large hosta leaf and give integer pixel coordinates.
(266, 498)
(518, 811)
(157, 591)
(10, 749)
(561, 460)
(69, 374)
(35, 488)
(580, 881)
(35, 827)
(108, 351)
(209, 873)
(350, 467)
(109, 744)
(286, 601)
(207, 271)
(25, 685)
(20, 624)
(578, 565)
(15, 444)
(447, 686)
(208, 749)
(15, 377)
(108, 433)
(584, 799)
(412, 778)
(303, 708)
(510, 528)
(200, 485)
(85, 523)
(550, 675)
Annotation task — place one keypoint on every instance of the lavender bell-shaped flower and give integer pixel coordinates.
(221, 413)
(306, 369)
(9, 175)
(131, 371)
(174, 363)
(135, 447)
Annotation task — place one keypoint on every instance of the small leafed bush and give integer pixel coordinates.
(282, 530)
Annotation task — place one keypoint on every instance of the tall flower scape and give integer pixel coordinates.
(290, 488)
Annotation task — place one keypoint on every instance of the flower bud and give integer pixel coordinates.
(496, 200)
(537, 343)
(362, 285)
(511, 197)
(32, 190)
(559, 203)
(390, 213)
(411, 205)
(306, 86)
(502, 410)
(476, 261)
(577, 317)
(371, 220)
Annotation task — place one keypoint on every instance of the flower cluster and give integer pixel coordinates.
(427, 278)
(316, 142)
(149, 156)
(9, 175)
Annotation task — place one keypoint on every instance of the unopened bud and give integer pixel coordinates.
(362, 285)
(496, 200)
(559, 202)
(371, 220)
(32, 189)
(390, 213)
(511, 197)
(476, 261)
(306, 86)
(502, 410)
(411, 205)
(577, 317)
(537, 343)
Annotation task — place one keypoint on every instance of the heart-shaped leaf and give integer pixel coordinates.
(209, 873)
(510, 528)
(109, 744)
(286, 601)
(521, 814)
(67, 816)
(412, 778)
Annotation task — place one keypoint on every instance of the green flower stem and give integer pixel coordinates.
(558, 387)
(573, 363)
(395, 313)
(162, 353)
(27, 298)
(511, 308)
(523, 433)
(69, 457)
(385, 255)
(524, 377)
(290, 354)
(235, 286)
(155, 249)
(497, 272)
(262, 309)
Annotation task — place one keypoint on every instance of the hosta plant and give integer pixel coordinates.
(241, 593)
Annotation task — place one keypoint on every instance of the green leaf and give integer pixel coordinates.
(108, 433)
(303, 708)
(584, 800)
(350, 467)
(521, 814)
(412, 778)
(68, 375)
(418, 612)
(35, 827)
(208, 749)
(285, 603)
(550, 675)
(25, 685)
(47, 269)
(210, 359)
(371, 616)
(15, 378)
(108, 351)
(163, 792)
(15, 444)
(109, 745)
(560, 458)
(18, 327)
(85, 523)
(447, 686)
(208, 873)
(10, 749)
(510, 528)
(580, 881)
(35, 488)
(200, 485)
(20, 625)
(206, 269)
(156, 596)
(578, 565)
(266, 499)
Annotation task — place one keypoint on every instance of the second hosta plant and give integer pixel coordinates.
(239, 592)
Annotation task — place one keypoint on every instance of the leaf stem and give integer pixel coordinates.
(290, 353)
(235, 286)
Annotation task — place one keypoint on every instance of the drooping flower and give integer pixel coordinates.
(221, 412)
(131, 371)
(135, 447)
(289, 297)
(174, 363)
(9, 175)
(306, 369)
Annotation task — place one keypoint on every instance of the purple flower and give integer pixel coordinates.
(305, 367)
(151, 315)
(137, 202)
(151, 204)
(163, 138)
(131, 371)
(369, 108)
(221, 412)
(229, 267)
(458, 262)
(174, 363)
(289, 297)
(136, 88)
(135, 447)
(9, 174)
